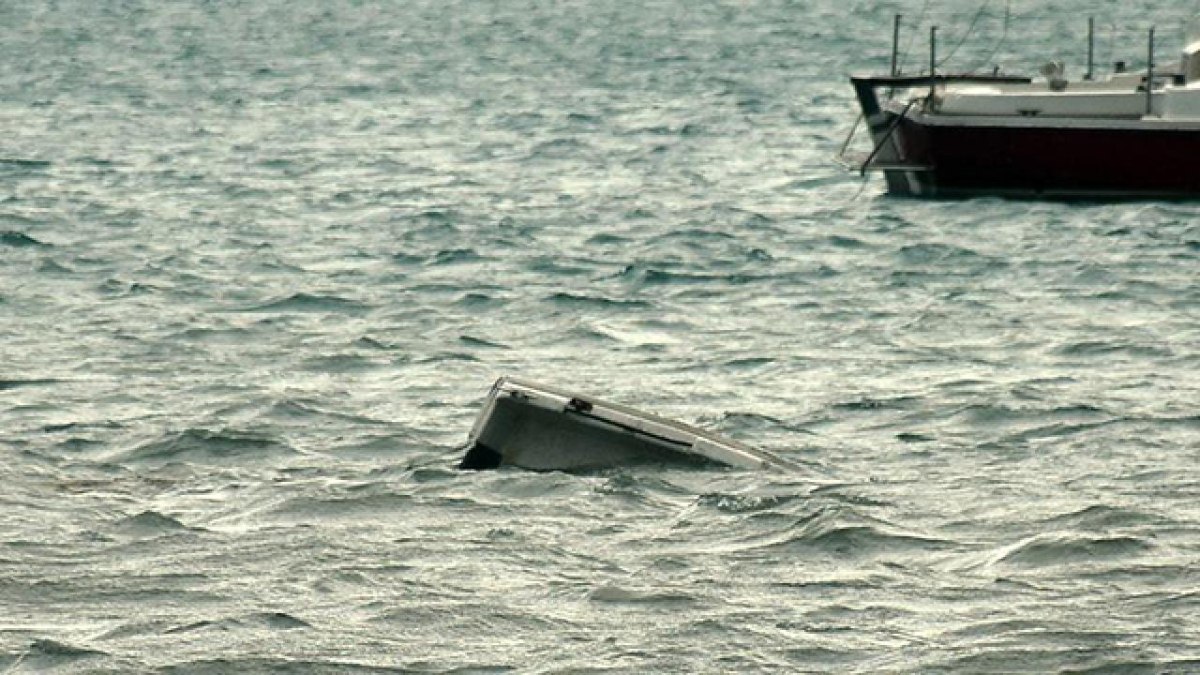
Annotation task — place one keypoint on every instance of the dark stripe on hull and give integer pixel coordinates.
(1061, 162)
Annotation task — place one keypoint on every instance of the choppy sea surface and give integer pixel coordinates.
(261, 261)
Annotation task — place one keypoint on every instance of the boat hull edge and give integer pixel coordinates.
(952, 158)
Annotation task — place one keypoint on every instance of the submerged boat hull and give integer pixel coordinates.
(541, 428)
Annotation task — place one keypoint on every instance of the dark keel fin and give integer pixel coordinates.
(479, 457)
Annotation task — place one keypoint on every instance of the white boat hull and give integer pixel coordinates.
(540, 428)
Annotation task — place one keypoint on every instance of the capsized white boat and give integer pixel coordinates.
(533, 426)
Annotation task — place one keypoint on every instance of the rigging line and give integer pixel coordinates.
(966, 34)
(911, 36)
(1111, 42)
(862, 170)
(1003, 37)
(849, 137)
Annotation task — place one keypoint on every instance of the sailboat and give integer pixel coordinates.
(1125, 134)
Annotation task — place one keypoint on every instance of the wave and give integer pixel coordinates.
(20, 163)
(558, 266)
(310, 509)
(446, 356)
(641, 274)
(691, 237)
(388, 446)
(845, 242)
(213, 334)
(871, 403)
(437, 217)
(339, 363)
(998, 415)
(1101, 518)
(685, 130)
(628, 484)
(867, 540)
(6, 384)
(47, 647)
(205, 446)
(560, 148)
(1088, 348)
(574, 300)
(832, 530)
(1055, 430)
(923, 254)
(471, 341)
(1134, 666)
(607, 239)
(268, 620)
(150, 524)
(280, 665)
(306, 411)
(16, 239)
(1058, 549)
(744, 503)
(613, 594)
(742, 421)
(1091, 658)
(847, 493)
(454, 256)
(368, 342)
(53, 267)
(119, 288)
(45, 654)
(584, 118)
(476, 301)
(311, 302)
(914, 437)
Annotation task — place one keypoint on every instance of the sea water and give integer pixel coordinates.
(262, 260)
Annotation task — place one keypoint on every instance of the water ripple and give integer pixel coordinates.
(262, 261)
